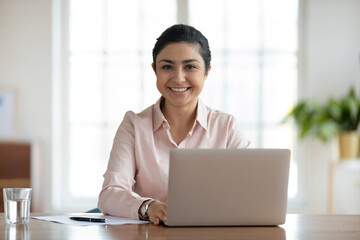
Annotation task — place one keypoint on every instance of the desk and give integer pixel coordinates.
(300, 227)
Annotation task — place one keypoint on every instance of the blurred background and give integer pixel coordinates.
(70, 69)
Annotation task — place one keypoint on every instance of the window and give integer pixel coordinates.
(254, 67)
(107, 56)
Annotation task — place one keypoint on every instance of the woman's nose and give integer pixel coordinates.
(179, 75)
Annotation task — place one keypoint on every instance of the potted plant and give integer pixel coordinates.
(346, 114)
(336, 117)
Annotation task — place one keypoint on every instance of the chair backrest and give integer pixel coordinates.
(95, 210)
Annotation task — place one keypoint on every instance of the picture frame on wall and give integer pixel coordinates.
(7, 114)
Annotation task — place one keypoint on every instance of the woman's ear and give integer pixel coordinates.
(207, 72)
(153, 67)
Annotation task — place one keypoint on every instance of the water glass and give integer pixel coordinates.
(17, 205)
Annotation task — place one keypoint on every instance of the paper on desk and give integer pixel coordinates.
(65, 219)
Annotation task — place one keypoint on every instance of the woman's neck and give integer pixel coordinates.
(180, 119)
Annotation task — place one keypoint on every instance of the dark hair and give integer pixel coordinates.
(183, 33)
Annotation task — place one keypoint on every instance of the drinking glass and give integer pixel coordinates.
(17, 205)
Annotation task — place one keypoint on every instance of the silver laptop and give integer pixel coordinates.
(227, 187)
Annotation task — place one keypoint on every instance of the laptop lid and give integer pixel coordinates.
(225, 187)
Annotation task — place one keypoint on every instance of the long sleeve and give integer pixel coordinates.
(235, 138)
(117, 197)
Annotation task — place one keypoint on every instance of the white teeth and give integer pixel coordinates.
(179, 89)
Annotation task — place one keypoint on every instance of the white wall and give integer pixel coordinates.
(331, 47)
(330, 64)
(25, 66)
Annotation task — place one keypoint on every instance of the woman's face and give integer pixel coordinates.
(180, 72)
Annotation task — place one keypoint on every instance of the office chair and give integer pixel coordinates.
(95, 210)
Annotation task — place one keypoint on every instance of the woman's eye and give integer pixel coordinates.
(166, 67)
(190, 67)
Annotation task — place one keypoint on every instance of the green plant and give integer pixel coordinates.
(345, 112)
(325, 121)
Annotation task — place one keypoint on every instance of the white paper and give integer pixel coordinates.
(110, 220)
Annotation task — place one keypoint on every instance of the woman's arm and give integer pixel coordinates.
(117, 197)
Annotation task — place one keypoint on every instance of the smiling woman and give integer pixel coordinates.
(181, 61)
(180, 73)
(135, 183)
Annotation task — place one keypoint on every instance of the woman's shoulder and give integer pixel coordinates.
(216, 114)
(144, 115)
(212, 119)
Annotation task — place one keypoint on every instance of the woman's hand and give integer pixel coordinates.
(157, 212)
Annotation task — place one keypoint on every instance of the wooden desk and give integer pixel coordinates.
(297, 227)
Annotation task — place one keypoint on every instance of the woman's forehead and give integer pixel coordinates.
(179, 51)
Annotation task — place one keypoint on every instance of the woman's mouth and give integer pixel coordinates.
(179, 89)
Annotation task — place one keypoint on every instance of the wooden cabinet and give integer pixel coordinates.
(14, 166)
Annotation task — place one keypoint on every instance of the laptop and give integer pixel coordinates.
(227, 187)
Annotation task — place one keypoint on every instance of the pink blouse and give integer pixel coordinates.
(139, 160)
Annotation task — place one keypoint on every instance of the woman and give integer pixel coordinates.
(135, 183)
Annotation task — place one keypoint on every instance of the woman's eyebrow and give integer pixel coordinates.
(190, 60)
(166, 60)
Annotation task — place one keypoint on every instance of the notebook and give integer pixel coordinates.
(227, 187)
